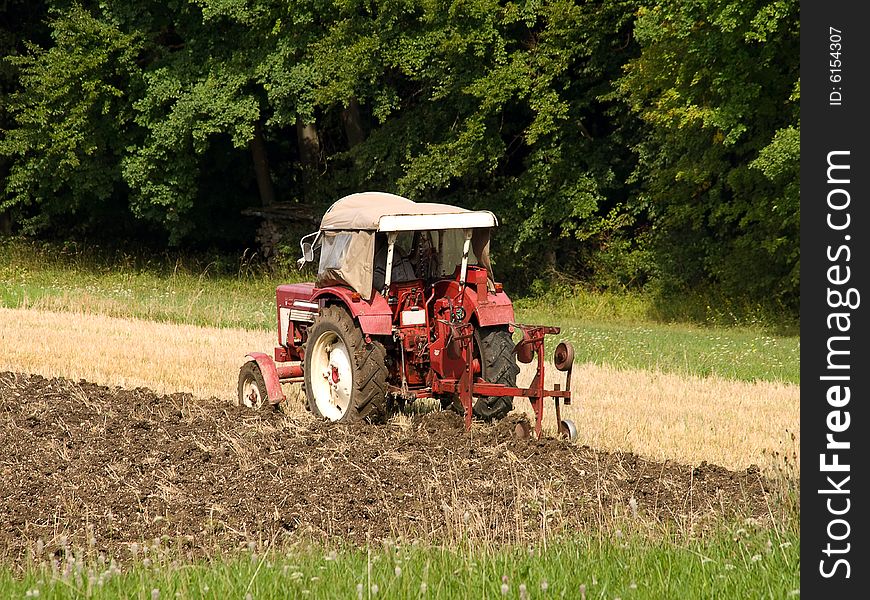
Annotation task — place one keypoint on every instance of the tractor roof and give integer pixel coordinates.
(379, 211)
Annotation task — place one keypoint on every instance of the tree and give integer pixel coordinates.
(71, 114)
(717, 84)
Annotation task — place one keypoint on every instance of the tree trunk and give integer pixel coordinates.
(261, 167)
(309, 144)
(353, 127)
(5, 223)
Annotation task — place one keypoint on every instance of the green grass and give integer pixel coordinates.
(160, 288)
(624, 330)
(618, 330)
(732, 353)
(732, 564)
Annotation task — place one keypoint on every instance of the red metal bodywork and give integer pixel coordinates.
(374, 316)
(288, 292)
(270, 375)
(292, 300)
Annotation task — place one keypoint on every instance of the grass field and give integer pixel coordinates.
(739, 562)
(606, 329)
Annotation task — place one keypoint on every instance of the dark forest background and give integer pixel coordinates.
(624, 145)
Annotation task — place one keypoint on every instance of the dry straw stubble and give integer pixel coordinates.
(688, 419)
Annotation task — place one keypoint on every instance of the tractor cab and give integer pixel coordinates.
(363, 233)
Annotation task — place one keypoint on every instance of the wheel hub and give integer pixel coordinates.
(332, 392)
(252, 395)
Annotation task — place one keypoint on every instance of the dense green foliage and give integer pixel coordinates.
(623, 144)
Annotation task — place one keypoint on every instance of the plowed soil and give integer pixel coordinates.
(107, 468)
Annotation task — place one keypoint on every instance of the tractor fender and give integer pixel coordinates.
(270, 375)
(497, 310)
(375, 316)
(494, 309)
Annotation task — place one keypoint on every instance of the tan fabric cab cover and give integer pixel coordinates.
(348, 226)
(346, 259)
(364, 210)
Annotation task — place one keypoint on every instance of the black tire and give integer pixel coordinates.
(495, 347)
(252, 387)
(367, 368)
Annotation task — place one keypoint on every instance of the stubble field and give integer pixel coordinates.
(684, 418)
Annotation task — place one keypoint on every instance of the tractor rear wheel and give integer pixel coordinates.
(495, 347)
(345, 377)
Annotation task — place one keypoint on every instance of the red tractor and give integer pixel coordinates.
(364, 338)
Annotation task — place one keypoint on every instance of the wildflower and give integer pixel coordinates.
(504, 578)
(756, 557)
(333, 555)
(248, 596)
(398, 571)
(155, 594)
(375, 589)
(359, 591)
(423, 587)
(524, 593)
(544, 585)
(582, 591)
(505, 589)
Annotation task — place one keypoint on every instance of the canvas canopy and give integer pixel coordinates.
(379, 211)
(349, 226)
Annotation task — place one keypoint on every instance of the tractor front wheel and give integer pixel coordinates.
(252, 387)
(345, 377)
(495, 347)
